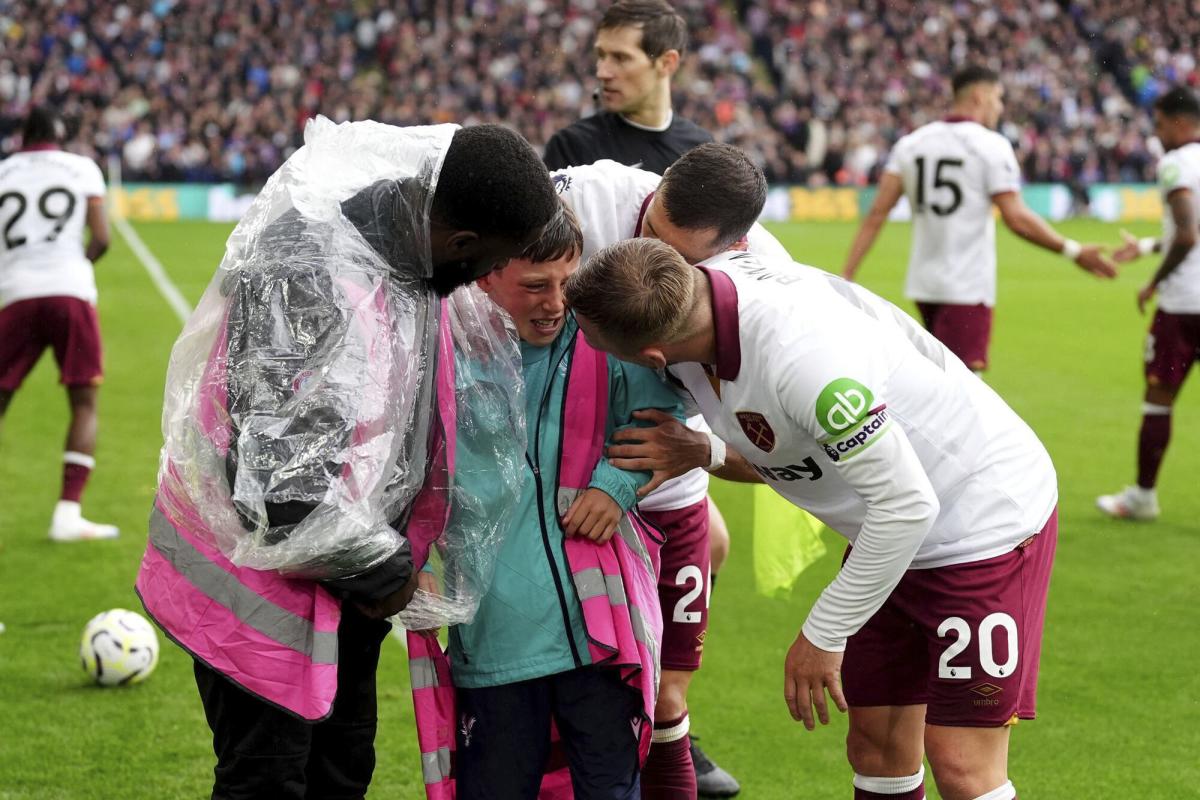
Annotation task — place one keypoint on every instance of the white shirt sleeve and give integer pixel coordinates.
(1002, 172)
(607, 199)
(894, 164)
(93, 185)
(901, 509)
(838, 395)
(1170, 175)
(762, 243)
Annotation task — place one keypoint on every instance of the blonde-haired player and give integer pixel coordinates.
(853, 412)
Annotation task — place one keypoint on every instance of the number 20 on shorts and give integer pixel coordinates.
(962, 629)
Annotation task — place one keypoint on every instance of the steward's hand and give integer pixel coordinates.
(394, 603)
(428, 582)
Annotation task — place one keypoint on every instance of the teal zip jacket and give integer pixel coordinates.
(530, 624)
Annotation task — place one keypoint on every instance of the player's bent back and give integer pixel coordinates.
(850, 364)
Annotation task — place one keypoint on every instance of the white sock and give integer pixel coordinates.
(67, 511)
(1005, 792)
(673, 733)
(890, 785)
(81, 459)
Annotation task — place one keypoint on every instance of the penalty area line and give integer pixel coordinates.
(154, 268)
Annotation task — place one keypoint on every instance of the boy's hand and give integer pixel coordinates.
(594, 515)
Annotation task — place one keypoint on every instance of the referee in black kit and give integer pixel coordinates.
(639, 45)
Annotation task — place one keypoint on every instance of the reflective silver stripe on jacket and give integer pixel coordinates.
(592, 583)
(289, 629)
(649, 642)
(435, 767)
(423, 673)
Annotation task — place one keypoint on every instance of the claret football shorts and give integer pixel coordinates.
(964, 640)
(965, 330)
(67, 325)
(684, 583)
(1172, 345)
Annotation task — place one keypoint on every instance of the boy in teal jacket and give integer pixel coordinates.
(525, 658)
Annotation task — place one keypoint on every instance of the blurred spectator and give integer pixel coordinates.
(815, 90)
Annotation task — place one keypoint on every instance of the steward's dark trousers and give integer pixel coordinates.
(265, 752)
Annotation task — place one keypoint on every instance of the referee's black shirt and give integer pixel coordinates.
(608, 135)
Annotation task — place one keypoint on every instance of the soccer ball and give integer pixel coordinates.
(118, 647)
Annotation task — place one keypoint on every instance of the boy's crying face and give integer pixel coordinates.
(532, 294)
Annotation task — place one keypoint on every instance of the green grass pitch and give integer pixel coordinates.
(1119, 688)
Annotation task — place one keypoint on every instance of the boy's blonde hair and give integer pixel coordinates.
(639, 292)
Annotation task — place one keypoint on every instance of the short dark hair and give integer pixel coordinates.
(43, 125)
(562, 237)
(493, 182)
(970, 75)
(662, 27)
(1178, 101)
(714, 186)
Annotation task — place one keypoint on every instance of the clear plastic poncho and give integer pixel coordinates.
(300, 411)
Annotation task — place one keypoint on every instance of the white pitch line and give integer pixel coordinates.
(154, 269)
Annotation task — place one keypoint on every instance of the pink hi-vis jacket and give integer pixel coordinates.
(615, 583)
(274, 636)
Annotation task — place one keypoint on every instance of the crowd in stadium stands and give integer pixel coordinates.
(816, 91)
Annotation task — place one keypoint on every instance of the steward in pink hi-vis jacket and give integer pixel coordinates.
(301, 423)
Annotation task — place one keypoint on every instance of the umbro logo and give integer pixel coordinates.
(986, 695)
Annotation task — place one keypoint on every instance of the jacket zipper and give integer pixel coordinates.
(537, 479)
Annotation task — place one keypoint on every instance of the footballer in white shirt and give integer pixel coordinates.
(48, 197)
(1173, 343)
(848, 408)
(614, 202)
(953, 172)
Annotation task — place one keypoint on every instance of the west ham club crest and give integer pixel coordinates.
(757, 430)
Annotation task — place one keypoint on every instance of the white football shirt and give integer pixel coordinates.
(951, 171)
(43, 213)
(610, 199)
(1180, 169)
(852, 411)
